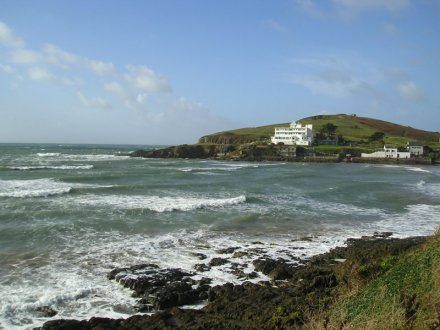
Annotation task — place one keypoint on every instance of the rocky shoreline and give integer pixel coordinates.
(297, 289)
(252, 152)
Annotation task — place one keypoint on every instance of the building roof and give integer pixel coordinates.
(413, 144)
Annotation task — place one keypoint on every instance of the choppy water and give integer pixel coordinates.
(71, 213)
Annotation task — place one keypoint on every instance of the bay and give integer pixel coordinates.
(71, 213)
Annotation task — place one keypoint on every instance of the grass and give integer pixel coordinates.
(355, 130)
(405, 294)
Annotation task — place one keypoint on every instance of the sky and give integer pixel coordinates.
(171, 71)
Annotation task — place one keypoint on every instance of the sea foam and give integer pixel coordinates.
(33, 188)
(39, 188)
(52, 167)
(158, 204)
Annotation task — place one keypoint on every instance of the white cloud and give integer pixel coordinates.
(334, 77)
(141, 98)
(101, 68)
(26, 56)
(115, 88)
(58, 56)
(95, 102)
(8, 38)
(144, 79)
(358, 6)
(349, 8)
(333, 87)
(39, 73)
(310, 7)
(6, 68)
(409, 91)
(273, 25)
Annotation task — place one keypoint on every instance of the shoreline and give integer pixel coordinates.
(308, 286)
(266, 153)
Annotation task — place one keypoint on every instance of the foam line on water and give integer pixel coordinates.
(38, 188)
(156, 203)
(51, 167)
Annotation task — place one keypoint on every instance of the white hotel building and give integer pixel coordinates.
(296, 134)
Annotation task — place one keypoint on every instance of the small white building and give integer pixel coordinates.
(414, 149)
(296, 134)
(387, 152)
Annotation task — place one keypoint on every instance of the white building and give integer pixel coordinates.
(414, 149)
(296, 134)
(387, 153)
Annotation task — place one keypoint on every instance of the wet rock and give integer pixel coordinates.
(112, 274)
(65, 325)
(384, 234)
(240, 254)
(218, 262)
(248, 306)
(161, 288)
(175, 294)
(201, 267)
(228, 250)
(200, 256)
(46, 311)
(275, 269)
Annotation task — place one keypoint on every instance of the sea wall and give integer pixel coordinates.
(394, 161)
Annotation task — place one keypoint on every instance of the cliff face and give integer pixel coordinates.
(230, 138)
(185, 151)
(249, 152)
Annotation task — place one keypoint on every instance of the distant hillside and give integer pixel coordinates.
(352, 128)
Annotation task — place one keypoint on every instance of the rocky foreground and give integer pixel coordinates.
(295, 294)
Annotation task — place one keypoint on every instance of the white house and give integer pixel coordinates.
(387, 152)
(414, 149)
(296, 134)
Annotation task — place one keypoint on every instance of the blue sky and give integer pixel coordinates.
(169, 71)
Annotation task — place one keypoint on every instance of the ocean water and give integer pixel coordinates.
(71, 213)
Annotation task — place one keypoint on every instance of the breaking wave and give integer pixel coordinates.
(158, 204)
(51, 167)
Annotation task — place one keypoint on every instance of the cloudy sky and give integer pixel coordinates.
(170, 71)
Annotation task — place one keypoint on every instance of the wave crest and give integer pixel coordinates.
(160, 204)
(33, 188)
(52, 167)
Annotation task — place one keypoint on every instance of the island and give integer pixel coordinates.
(321, 138)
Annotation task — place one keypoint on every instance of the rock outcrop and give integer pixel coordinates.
(300, 290)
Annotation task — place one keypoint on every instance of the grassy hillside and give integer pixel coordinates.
(353, 129)
(242, 135)
(403, 294)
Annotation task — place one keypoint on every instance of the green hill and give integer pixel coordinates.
(353, 130)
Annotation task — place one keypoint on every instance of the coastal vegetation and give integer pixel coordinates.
(337, 138)
(391, 292)
(367, 133)
(376, 282)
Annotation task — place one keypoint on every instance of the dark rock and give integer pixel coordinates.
(176, 294)
(161, 288)
(65, 325)
(201, 267)
(228, 250)
(275, 269)
(218, 262)
(46, 311)
(307, 289)
(200, 256)
(240, 254)
(384, 234)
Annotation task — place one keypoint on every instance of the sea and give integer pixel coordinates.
(69, 214)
